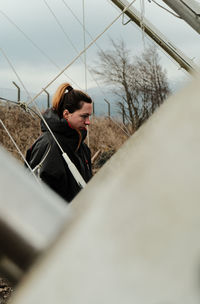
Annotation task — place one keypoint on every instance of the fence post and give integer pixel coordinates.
(108, 106)
(48, 102)
(18, 91)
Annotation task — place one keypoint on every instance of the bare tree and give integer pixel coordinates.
(140, 83)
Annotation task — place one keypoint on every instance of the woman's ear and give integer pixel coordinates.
(65, 114)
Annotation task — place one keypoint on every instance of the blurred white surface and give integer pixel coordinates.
(135, 236)
(31, 215)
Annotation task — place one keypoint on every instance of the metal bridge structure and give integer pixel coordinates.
(131, 235)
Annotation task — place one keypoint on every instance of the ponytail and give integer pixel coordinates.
(58, 96)
(71, 100)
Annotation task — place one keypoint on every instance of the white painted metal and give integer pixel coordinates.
(76, 174)
(30, 215)
(135, 235)
(189, 10)
(193, 5)
(157, 36)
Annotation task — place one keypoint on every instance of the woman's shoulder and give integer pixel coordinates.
(43, 140)
(42, 143)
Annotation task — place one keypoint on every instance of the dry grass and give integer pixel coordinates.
(104, 134)
(23, 127)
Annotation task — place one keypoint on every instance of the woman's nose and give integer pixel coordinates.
(87, 121)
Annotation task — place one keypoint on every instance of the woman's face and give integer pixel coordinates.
(80, 118)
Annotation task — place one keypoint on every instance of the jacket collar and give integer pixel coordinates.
(61, 126)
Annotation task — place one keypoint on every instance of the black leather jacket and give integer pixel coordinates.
(53, 170)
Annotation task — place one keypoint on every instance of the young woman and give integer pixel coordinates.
(67, 119)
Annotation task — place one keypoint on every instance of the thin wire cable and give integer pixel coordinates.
(27, 109)
(60, 25)
(19, 151)
(85, 64)
(78, 177)
(36, 46)
(75, 58)
(81, 23)
(84, 44)
(12, 67)
(127, 133)
(39, 112)
(92, 38)
(76, 50)
(64, 32)
(89, 45)
(68, 38)
(61, 72)
(95, 80)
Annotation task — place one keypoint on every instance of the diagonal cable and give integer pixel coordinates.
(19, 151)
(75, 58)
(12, 67)
(95, 80)
(63, 70)
(84, 43)
(35, 45)
(60, 25)
(71, 166)
(79, 179)
(66, 35)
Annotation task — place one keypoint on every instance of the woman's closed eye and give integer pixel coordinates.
(84, 116)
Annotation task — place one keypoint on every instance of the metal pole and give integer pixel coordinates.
(158, 37)
(108, 106)
(18, 91)
(188, 10)
(21, 239)
(48, 102)
(84, 45)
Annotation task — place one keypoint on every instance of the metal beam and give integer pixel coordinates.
(185, 62)
(188, 10)
(30, 218)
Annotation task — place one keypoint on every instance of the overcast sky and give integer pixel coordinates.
(37, 68)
